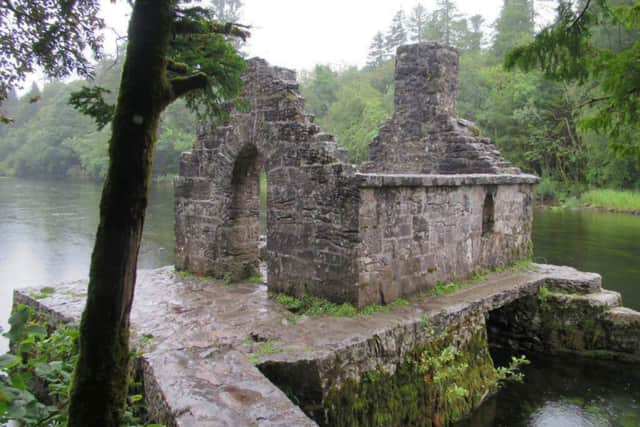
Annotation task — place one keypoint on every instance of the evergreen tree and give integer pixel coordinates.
(377, 51)
(416, 23)
(320, 90)
(226, 10)
(566, 51)
(476, 34)
(443, 22)
(397, 35)
(515, 26)
(460, 35)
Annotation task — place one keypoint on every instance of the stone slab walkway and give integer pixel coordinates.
(201, 338)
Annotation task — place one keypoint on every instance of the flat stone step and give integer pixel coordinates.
(604, 298)
(570, 280)
(624, 315)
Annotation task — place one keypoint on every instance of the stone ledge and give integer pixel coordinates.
(570, 280)
(375, 180)
(203, 333)
(208, 388)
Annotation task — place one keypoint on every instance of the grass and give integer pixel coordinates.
(443, 288)
(612, 199)
(266, 348)
(189, 275)
(446, 288)
(543, 294)
(43, 293)
(313, 306)
(256, 278)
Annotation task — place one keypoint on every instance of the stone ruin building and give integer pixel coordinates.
(435, 202)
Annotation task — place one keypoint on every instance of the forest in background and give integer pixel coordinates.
(535, 122)
(50, 139)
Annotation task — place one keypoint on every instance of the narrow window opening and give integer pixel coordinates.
(488, 214)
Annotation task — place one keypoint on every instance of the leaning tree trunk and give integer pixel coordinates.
(99, 385)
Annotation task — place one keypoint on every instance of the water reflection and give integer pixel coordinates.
(46, 236)
(602, 242)
(48, 227)
(565, 393)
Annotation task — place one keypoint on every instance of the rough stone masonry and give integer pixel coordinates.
(435, 202)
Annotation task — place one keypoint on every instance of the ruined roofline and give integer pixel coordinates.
(441, 180)
(425, 134)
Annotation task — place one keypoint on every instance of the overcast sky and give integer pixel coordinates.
(301, 33)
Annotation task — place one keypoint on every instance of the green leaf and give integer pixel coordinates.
(8, 361)
(36, 331)
(18, 381)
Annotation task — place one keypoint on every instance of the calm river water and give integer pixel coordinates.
(46, 236)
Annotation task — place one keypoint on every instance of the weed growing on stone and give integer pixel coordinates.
(480, 276)
(42, 293)
(426, 325)
(313, 306)
(183, 274)
(256, 278)
(525, 264)
(35, 379)
(265, 348)
(292, 303)
(443, 288)
(227, 279)
(543, 294)
(512, 372)
(444, 369)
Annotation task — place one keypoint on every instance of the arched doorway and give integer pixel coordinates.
(244, 214)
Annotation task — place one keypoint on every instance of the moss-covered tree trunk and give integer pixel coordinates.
(99, 385)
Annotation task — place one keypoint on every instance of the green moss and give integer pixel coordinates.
(571, 323)
(543, 294)
(411, 396)
(183, 274)
(264, 349)
(443, 288)
(313, 306)
(256, 278)
(475, 130)
(42, 293)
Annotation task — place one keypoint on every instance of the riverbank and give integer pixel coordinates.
(557, 195)
(612, 200)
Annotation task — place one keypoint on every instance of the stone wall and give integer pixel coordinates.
(570, 315)
(438, 230)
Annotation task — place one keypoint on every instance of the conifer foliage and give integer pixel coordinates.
(568, 51)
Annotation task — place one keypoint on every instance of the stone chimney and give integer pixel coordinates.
(425, 136)
(426, 83)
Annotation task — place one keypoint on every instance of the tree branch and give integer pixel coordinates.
(177, 67)
(187, 26)
(183, 85)
(581, 14)
(594, 101)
